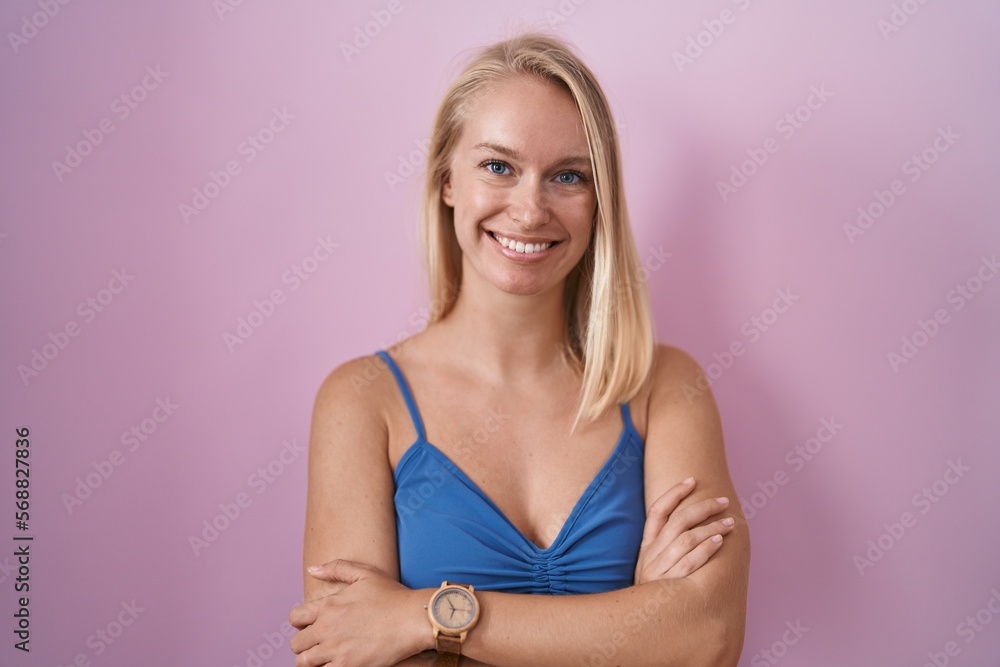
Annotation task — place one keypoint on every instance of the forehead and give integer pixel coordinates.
(534, 117)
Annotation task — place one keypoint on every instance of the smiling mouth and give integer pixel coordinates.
(521, 247)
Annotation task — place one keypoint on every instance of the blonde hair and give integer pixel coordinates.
(610, 336)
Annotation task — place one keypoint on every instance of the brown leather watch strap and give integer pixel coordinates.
(447, 660)
(449, 651)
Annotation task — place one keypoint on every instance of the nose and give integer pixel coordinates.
(529, 204)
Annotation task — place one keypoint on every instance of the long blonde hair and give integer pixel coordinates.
(610, 335)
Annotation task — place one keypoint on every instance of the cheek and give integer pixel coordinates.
(475, 203)
(482, 199)
(580, 211)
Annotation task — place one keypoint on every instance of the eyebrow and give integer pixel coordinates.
(572, 160)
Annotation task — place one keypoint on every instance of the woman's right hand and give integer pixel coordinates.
(673, 544)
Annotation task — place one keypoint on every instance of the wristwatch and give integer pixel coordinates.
(454, 611)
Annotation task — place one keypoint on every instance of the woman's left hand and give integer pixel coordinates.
(373, 621)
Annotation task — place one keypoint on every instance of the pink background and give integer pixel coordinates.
(324, 175)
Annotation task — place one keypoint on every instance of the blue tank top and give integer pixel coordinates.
(448, 529)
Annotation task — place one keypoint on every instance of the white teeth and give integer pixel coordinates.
(520, 246)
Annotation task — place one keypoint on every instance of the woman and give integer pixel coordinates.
(533, 438)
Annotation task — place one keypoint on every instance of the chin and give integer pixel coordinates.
(522, 285)
(519, 290)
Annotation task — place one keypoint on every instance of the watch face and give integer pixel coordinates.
(454, 608)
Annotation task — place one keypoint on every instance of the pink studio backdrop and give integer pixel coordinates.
(171, 168)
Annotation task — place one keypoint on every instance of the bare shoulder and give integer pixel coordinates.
(354, 384)
(676, 380)
(674, 371)
(360, 391)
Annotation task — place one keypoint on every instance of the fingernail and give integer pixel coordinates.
(717, 539)
(727, 522)
(313, 569)
(724, 501)
(689, 480)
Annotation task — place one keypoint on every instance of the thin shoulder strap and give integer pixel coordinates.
(627, 416)
(407, 395)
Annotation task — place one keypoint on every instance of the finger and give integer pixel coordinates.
(683, 520)
(312, 657)
(302, 641)
(662, 507)
(339, 570)
(680, 522)
(689, 540)
(688, 517)
(303, 615)
(698, 557)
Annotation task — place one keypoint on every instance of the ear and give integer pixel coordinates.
(447, 196)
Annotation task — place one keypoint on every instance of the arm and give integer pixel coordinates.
(688, 433)
(349, 507)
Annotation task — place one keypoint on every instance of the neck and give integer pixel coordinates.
(509, 337)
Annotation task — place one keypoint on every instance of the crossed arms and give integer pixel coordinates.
(688, 604)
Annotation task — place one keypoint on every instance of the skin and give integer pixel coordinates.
(497, 351)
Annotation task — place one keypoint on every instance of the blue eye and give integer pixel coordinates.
(574, 178)
(495, 167)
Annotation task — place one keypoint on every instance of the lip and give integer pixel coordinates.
(521, 257)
